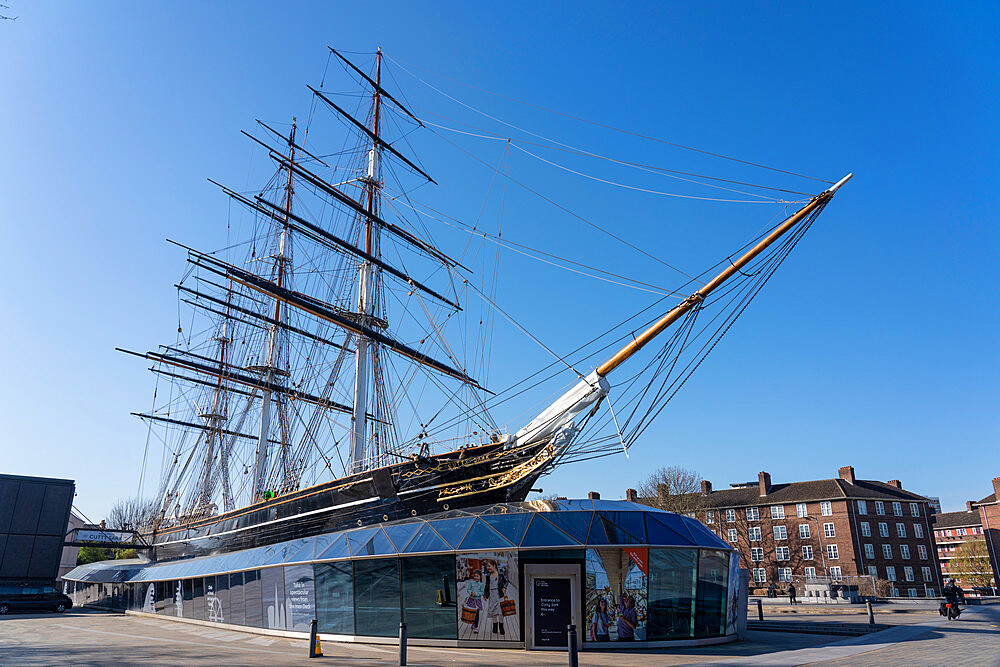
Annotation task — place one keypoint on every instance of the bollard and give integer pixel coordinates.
(315, 649)
(760, 610)
(402, 643)
(571, 645)
(871, 614)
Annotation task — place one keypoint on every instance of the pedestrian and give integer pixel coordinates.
(772, 591)
(791, 593)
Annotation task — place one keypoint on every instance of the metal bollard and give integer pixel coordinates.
(871, 614)
(402, 643)
(314, 649)
(760, 610)
(572, 646)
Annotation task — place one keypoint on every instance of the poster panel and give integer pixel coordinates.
(489, 602)
(616, 605)
(300, 600)
(733, 593)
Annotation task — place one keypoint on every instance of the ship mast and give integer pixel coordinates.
(366, 292)
(269, 369)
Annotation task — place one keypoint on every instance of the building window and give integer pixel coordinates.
(930, 592)
(866, 529)
(810, 573)
(908, 573)
(777, 511)
(759, 575)
(828, 530)
(879, 507)
(883, 529)
(914, 509)
(913, 592)
(918, 530)
(807, 552)
(826, 508)
(835, 573)
(422, 578)
(754, 532)
(895, 592)
(784, 574)
(781, 553)
(887, 551)
(961, 531)
(922, 552)
(900, 530)
(730, 516)
(925, 572)
(873, 571)
(897, 509)
(831, 552)
(756, 554)
(780, 533)
(948, 533)
(869, 551)
(710, 516)
(890, 573)
(800, 509)
(732, 535)
(753, 514)
(804, 531)
(904, 551)
(862, 507)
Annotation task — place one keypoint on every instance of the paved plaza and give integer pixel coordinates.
(93, 638)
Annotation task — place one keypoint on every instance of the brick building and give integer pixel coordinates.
(827, 530)
(952, 530)
(989, 513)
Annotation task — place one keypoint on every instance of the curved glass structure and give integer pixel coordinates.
(647, 575)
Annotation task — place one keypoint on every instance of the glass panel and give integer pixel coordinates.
(427, 539)
(335, 598)
(703, 536)
(251, 594)
(175, 597)
(336, 549)
(376, 597)
(488, 596)
(283, 553)
(356, 539)
(732, 608)
(377, 545)
(481, 536)
(429, 596)
(402, 534)
(198, 598)
(300, 605)
(453, 530)
(713, 577)
(575, 524)
(672, 584)
(236, 611)
(541, 533)
(153, 597)
(272, 587)
(505, 508)
(511, 526)
(217, 599)
(622, 527)
(674, 534)
(616, 594)
(186, 604)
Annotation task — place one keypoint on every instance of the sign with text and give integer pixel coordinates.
(553, 600)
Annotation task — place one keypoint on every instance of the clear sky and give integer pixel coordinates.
(874, 346)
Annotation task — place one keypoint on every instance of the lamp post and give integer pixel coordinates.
(822, 549)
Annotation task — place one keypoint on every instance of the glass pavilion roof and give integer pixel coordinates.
(542, 524)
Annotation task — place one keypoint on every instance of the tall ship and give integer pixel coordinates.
(323, 376)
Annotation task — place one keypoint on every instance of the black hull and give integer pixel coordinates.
(466, 478)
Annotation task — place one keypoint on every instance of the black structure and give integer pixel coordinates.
(34, 513)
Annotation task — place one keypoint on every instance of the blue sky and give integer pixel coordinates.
(874, 346)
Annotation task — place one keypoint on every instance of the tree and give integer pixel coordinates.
(92, 555)
(131, 514)
(971, 564)
(671, 488)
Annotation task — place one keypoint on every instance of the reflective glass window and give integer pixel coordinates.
(337, 548)
(358, 538)
(453, 530)
(575, 524)
(710, 610)
(198, 598)
(300, 605)
(541, 533)
(616, 590)
(251, 596)
(236, 613)
(402, 534)
(511, 526)
(376, 597)
(481, 536)
(620, 527)
(377, 545)
(667, 529)
(673, 576)
(335, 597)
(427, 539)
(163, 597)
(217, 599)
(187, 601)
(272, 595)
(429, 607)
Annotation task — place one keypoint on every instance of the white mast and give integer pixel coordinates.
(359, 433)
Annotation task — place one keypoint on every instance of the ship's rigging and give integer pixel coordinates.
(323, 346)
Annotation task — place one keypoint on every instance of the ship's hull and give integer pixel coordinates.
(464, 478)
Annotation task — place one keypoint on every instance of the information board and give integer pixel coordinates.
(553, 610)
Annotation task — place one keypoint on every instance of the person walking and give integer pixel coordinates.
(791, 593)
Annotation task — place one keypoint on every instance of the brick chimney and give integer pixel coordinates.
(895, 483)
(631, 496)
(593, 495)
(847, 474)
(996, 487)
(764, 482)
(968, 505)
(706, 487)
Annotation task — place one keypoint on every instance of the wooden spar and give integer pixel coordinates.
(682, 308)
(374, 84)
(290, 143)
(178, 422)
